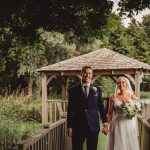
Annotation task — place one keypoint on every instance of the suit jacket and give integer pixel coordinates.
(83, 111)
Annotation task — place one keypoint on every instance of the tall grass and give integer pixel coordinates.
(20, 119)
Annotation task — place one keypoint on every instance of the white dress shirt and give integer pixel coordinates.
(88, 87)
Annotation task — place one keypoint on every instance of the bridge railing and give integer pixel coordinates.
(144, 134)
(55, 138)
(146, 112)
(52, 138)
(144, 126)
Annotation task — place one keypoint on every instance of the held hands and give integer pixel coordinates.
(105, 129)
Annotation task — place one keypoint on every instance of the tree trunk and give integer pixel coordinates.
(30, 84)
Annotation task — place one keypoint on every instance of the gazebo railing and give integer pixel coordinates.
(56, 109)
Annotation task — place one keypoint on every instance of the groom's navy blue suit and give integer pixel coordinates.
(83, 116)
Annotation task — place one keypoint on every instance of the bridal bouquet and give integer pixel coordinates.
(131, 108)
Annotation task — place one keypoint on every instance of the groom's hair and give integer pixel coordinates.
(86, 67)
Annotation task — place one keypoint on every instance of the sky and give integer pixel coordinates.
(126, 20)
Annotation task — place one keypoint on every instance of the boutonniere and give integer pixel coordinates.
(93, 89)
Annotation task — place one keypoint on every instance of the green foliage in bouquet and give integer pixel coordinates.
(131, 108)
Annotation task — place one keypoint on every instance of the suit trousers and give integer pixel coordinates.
(79, 137)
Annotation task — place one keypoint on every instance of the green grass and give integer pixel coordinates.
(102, 140)
(145, 95)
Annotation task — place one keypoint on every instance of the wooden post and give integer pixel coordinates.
(95, 78)
(44, 99)
(131, 78)
(137, 83)
(64, 87)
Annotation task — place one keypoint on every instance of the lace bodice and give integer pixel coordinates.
(117, 107)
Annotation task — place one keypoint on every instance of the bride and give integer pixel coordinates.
(123, 134)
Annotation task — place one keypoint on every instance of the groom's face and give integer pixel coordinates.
(87, 75)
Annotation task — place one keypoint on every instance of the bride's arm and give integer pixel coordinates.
(110, 108)
(133, 97)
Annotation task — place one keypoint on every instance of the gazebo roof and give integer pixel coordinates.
(102, 59)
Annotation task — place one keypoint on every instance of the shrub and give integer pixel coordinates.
(14, 131)
(20, 119)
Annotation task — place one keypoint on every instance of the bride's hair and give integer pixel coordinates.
(129, 88)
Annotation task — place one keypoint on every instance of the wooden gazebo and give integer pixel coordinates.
(104, 62)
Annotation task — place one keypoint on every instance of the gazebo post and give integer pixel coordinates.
(64, 87)
(131, 78)
(44, 98)
(137, 83)
(95, 78)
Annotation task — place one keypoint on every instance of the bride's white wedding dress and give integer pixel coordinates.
(123, 134)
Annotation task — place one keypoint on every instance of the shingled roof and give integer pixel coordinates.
(102, 59)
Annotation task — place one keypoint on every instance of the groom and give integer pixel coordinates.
(84, 105)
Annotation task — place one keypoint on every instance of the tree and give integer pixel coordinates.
(87, 24)
(29, 57)
(7, 66)
(140, 39)
(130, 7)
(114, 35)
(83, 17)
(57, 48)
(146, 26)
(5, 41)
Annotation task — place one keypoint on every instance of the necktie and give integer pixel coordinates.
(85, 91)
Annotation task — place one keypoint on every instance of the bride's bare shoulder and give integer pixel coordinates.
(112, 97)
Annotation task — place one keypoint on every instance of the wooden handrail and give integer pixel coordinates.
(57, 100)
(144, 134)
(53, 138)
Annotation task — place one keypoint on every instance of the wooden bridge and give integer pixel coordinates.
(53, 136)
(104, 63)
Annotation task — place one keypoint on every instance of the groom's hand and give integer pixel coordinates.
(105, 129)
(69, 132)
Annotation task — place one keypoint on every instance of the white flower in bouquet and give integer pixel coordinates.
(131, 108)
